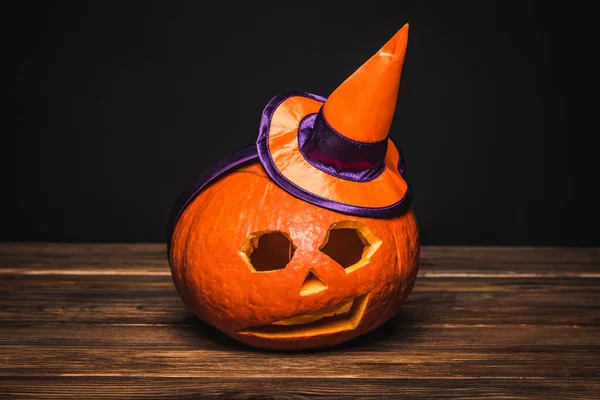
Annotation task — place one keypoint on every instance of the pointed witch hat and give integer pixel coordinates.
(336, 152)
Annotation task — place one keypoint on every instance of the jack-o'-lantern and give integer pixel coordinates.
(305, 239)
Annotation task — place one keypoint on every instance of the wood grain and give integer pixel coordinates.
(105, 321)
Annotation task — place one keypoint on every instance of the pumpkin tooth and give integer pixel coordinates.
(315, 316)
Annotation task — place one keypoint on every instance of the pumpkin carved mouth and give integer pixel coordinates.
(341, 317)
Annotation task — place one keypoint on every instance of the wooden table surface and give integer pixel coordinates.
(104, 320)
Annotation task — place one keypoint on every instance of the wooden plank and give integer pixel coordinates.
(154, 300)
(511, 254)
(296, 388)
(83, 259)
(394, 334)
(436, 261)
(417, 312)
(190, 363)
(392, 352)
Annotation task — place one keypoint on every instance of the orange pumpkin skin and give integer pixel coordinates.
(216, 283)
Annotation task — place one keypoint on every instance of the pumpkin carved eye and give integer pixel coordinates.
(267, 251)
(350, 244)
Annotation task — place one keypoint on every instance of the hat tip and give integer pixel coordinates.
(402, 34)
(396, 45)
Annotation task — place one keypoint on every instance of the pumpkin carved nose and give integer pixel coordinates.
(312, 284)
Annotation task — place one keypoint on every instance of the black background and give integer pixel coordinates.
(115, 107)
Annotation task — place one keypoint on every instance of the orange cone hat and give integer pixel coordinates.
(336, 152)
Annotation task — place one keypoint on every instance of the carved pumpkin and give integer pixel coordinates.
(275, 271)
(307, 238)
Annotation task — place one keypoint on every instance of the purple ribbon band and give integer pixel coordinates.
(331, 152)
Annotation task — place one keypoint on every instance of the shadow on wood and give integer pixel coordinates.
(401, 326)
